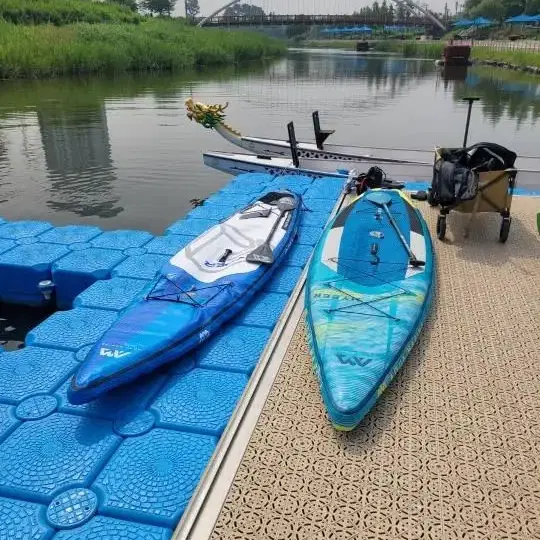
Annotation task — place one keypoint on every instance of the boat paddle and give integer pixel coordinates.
(383, 200)
(263, 253)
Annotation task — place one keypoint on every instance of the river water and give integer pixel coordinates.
(120, 153)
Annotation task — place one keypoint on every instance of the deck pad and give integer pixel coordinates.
(365, 303)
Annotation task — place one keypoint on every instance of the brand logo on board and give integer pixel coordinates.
(112, 353)
(205, 334)
(352, 360)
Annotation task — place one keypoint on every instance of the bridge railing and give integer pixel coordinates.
(273, 19)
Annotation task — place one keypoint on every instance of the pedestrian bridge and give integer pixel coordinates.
(406, 13)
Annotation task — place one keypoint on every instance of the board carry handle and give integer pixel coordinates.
(226, 254)
(374, 253)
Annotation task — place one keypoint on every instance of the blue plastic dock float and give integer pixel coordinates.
(125, 465)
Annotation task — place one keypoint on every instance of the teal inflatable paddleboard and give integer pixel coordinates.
(368, 292)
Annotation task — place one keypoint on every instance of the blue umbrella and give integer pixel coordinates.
(481, 21)
(523, 19)
(463, 22)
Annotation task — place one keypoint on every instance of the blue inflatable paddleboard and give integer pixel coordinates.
(201, 287)
(368, 293)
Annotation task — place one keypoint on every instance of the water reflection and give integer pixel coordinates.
(3, 155)
(120, 152)
(315, 64)
(451, 74)
(503, 93)
(78, 158)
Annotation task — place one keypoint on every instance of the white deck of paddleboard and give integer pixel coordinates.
(450, 451)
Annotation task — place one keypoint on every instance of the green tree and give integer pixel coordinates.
(244, 10)
(533, 7)
(192, 8)
(159, 7)
(510, 8)
(131, 4)
(492, 9)
(514, 7)
(400, 12)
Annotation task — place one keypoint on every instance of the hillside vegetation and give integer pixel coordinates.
(65, 37)
(60, 12)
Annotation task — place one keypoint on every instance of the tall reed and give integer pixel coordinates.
(60, 12)
(156, 44)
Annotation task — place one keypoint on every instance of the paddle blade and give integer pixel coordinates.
(262, 254)
(378, 197)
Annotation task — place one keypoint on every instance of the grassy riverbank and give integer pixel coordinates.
(60, 12)
(421, 49)
(514, 57)
(35, 51)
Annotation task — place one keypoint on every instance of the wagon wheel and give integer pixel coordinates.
(441, 227)
(505, 229)
(431, 199)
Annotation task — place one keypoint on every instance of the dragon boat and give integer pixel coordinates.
(317, 155)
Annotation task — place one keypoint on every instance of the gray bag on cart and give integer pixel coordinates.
(453, 183)
(455, 176)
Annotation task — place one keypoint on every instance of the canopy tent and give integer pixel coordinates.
(394, 28)
(524, 19)
(479, 21)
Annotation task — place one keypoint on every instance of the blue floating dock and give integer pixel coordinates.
(125, 465)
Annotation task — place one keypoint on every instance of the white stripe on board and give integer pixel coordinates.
(418, 247)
